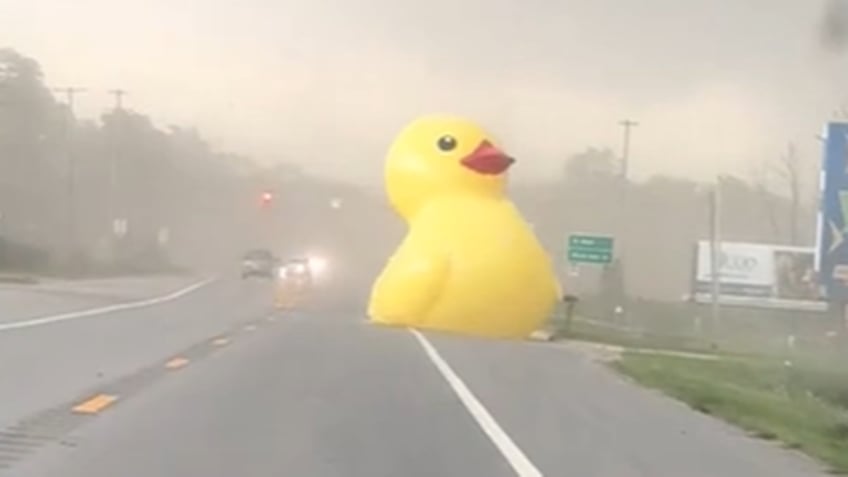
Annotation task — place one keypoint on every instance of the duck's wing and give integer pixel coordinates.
(408, 287)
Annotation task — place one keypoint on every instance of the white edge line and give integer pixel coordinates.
(516, 458)
(74, 315)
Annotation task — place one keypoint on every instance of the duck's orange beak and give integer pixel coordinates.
(488, 160)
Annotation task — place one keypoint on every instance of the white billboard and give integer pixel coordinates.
(751, 274)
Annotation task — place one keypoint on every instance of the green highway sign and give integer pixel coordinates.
(590, 249)
(578, 256)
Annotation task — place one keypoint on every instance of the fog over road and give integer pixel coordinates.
(214, 382)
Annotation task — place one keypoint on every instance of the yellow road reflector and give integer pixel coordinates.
(176, 363)
(220, 341)
(95, 404)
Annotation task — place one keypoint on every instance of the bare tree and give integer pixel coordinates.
(783, 175)
(761, 183)
(789, 168)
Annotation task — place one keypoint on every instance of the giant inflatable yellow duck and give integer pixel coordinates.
(469, 262)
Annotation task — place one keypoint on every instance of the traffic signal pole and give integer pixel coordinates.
(266, 202)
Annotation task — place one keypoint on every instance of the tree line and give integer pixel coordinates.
(662, 217)
(122, 192)
(64, 181)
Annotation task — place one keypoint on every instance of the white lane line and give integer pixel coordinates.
(516, 458)
(74, 315)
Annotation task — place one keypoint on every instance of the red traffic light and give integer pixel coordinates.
(266, 198)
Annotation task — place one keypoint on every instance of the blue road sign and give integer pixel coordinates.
(832, 240)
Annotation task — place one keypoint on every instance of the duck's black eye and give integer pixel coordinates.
(447, 143)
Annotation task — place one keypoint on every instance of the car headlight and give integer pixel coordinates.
(317, 265)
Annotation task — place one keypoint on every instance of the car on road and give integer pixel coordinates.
(259, 263)
(294, 283)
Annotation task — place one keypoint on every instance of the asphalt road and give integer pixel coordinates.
(214, 384)
(51, 297)
(18, 304)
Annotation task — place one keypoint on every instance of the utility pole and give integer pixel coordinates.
(119, 94)
(117, 212)
(627, 124)
(715, 254)
(70, 93)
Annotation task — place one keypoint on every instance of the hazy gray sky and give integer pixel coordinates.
(717, 85)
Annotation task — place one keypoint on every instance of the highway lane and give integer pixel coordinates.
(50, 297)
(43, 366)
(324, 394)
(299, 396)
(19, 303)
(571, 413)
(117, 288)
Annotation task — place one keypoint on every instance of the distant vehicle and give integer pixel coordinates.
(296, 271)
(259, 263)
(294, 283)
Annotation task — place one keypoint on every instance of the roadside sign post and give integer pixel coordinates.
(832, 234)
(715, 260)
(590, 249)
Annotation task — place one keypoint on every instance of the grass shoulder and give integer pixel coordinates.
(804, 406)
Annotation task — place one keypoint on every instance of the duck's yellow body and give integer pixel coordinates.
(469, 263)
